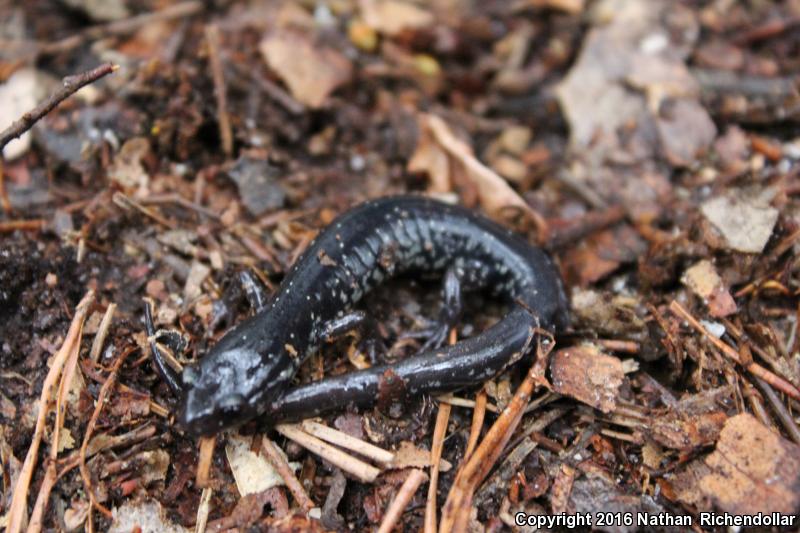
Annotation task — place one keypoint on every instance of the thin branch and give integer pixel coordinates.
(119, 27)
(69, 86)
(223, 120)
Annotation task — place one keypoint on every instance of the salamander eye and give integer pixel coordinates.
(231, 403)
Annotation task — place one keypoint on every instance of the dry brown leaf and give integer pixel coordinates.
(588, 375)
(677, 432)
(311, 72)
(753, 470)
(744, 220)
(391, 17)
(252, 472)
(436, 139)
(703, 280)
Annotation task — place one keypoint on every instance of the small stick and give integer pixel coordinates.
(126, 202)
(278, 461)
(203, 510)
(400, 502)
(5, 202)
(18, 509)
(69, 86)
(364, 472)
(439, 430)
(456, 509)
(120, 27)
(616, 345)
(783, 414)
(204, 462)
(7, 226)
(102, 332)
(212, 38)
(347, 442)
(464, 402)
(478, 416)
(754, 368)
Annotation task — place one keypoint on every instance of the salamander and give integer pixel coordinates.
(248, 372)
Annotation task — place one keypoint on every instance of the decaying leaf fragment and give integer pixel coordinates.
(704, 281)
(311, 72)
(588, 375)
(753, 470)
(441, 154)
(686, 432)
(744, 220)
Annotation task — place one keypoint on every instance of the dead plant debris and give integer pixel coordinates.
(652, 147)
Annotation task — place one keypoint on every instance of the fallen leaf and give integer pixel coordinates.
(744, 220)
(683, 432)
(127, 168)
(753, 470)
(703, 280)
(391, 17)
(310, 71)
(588, 375)
(146, 517)
(439, 150)
(258, 184)
(685, 130)
(252, 472)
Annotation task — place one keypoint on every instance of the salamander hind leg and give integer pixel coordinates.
(363, 325)
(164, 345)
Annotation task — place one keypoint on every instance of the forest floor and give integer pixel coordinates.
(651, 147)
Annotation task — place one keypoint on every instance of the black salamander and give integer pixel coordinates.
(248, 373)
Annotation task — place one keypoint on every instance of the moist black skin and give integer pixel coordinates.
(248, 372)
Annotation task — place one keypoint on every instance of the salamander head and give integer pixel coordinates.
(227, 388)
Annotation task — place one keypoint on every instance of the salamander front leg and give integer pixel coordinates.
(369, 339)
(163, 338)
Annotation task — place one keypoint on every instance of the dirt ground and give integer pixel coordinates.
(650, 146)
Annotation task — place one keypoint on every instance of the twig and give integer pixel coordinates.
(102, 332)
(439, 430)
(126, 202)
(207, 445)
(18, 509)
(7, 226)
(277, 93)
(364, 472)
(783, 414)
(69, 86)
(101, 400)
(203, 509)
(456, 509)
(225, 135)
(347, 442)
(478, 415)
(292, 483)
(119, 27)
(400, 502)
(754, 368)
(465, 402)
(5, 202)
